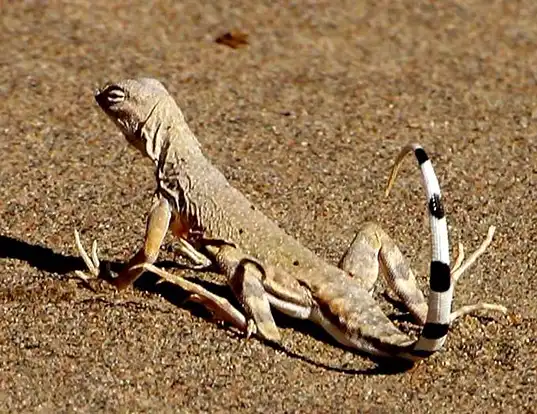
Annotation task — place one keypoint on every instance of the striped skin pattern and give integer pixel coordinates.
(435, 330)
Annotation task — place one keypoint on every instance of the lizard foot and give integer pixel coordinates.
(268, 332)
(461, 266)
(93, 264)
(199, 260)
(468, 309)
(251, 329)
(218, 306)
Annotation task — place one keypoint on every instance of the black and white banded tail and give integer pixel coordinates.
(435, 330)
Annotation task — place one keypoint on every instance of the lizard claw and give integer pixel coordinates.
(92, 263)
(469, 309)
(460, 257)
(461, 266)
(251, 329)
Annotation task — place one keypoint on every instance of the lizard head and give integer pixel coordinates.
(130, 103)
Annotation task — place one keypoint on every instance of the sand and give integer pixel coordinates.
(306, 120)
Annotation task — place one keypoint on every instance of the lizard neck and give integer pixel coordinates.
(183, 175)
(166, 134)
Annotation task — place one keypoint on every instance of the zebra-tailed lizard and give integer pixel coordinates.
(266, 268)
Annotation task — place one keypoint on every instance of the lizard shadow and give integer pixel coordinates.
(46, 259)
(383, 366)
(42, 258)
(171, 293)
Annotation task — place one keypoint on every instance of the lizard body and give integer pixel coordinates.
(265, 266)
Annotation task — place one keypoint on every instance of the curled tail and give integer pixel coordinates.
(435, 330)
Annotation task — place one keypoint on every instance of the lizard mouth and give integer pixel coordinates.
(103, 103)
(100, 95)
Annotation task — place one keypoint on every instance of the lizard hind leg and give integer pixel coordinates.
(246, 283)
(361, 259)
(372, 249)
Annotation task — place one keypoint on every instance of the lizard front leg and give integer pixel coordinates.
(157, 224)
(372, 249)
(158, 221)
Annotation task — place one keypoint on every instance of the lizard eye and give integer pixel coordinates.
(115, 95)
(111, 95)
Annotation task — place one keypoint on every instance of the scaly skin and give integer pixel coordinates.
(266, 267)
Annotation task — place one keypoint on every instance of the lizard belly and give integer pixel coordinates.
(289, 308)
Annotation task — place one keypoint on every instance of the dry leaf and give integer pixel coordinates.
(233, 39)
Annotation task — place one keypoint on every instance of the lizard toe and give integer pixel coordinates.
(269, 332)
(251, 329)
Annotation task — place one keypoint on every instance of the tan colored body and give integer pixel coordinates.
(266, 268)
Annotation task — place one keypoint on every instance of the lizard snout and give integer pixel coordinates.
(100, 97)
